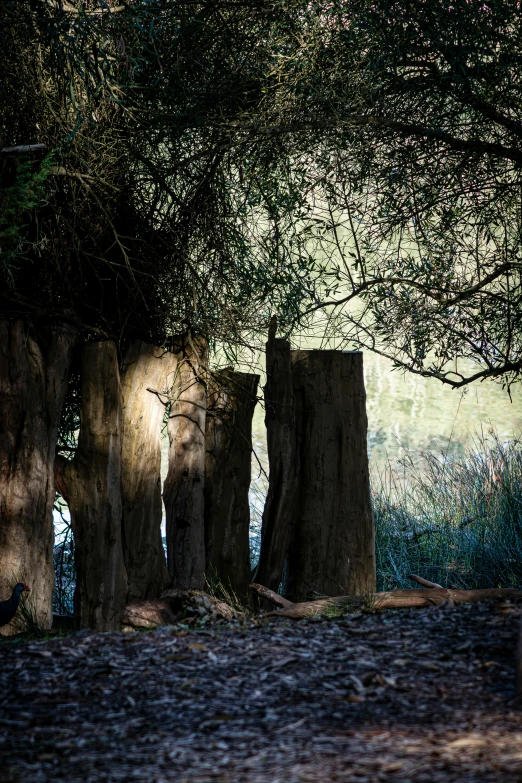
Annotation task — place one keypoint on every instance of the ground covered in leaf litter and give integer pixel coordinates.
(408, 695)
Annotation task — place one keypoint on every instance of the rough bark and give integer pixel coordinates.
(34, 371)
(149, 614)
(91, 485)
(519, 663)
(173, 606)
(282, 460)
(183, 489)
(147, 373)
(231, 401)
(332, 548)
(396, 599)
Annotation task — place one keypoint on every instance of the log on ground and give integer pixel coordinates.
(395, 599)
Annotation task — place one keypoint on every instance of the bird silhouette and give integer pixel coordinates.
(8, 608)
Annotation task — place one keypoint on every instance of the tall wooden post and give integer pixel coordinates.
(278, 512)
(91, 485)
(147, 374)
(230, 406)
(34, 372)
(518, 686)
(183, 489)
(332, 548)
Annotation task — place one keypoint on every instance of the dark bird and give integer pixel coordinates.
(8, 608)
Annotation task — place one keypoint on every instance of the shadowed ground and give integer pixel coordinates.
(412, 695)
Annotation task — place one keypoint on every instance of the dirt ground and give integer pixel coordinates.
(416, 696)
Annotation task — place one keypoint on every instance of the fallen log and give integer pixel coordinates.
(395, 599)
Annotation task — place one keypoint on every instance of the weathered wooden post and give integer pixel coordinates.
(183, 489)
(278, 512)
(332, 548)
(231, 401)
(518, 687)
(91, 485)
(147, 374)
(34, 372)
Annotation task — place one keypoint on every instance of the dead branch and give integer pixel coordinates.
(424, 582)
(23, 148)
(275, 598)
(395, 599)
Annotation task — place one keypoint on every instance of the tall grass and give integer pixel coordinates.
(456, 521)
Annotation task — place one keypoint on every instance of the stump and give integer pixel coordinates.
(146, 375)
(278, 512)
(91, 485)
(230, 406)
(183, 489)
(332, 548)
(34, 372)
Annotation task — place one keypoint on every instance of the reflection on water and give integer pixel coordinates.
(423, 415)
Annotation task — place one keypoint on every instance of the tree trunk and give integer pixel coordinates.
(230, 406)
(145, 368)
(282, 459)
(91, 485)
(519, 664)
(333, 546)
(34, 371)
(183, 490)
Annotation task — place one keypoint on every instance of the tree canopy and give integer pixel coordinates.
(146, 213)
(209, 164)
(417, 182)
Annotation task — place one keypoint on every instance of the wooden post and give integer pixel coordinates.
(278, 512)
(231, 401)
(147, 373)
(91, 485)
(183, 489)
(34, 372)
(332, 550)
(518, 687)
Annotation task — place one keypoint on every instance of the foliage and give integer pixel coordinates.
(25, 194)
(414, 179)
(160, 215)
(217, 162)
(456, 521)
